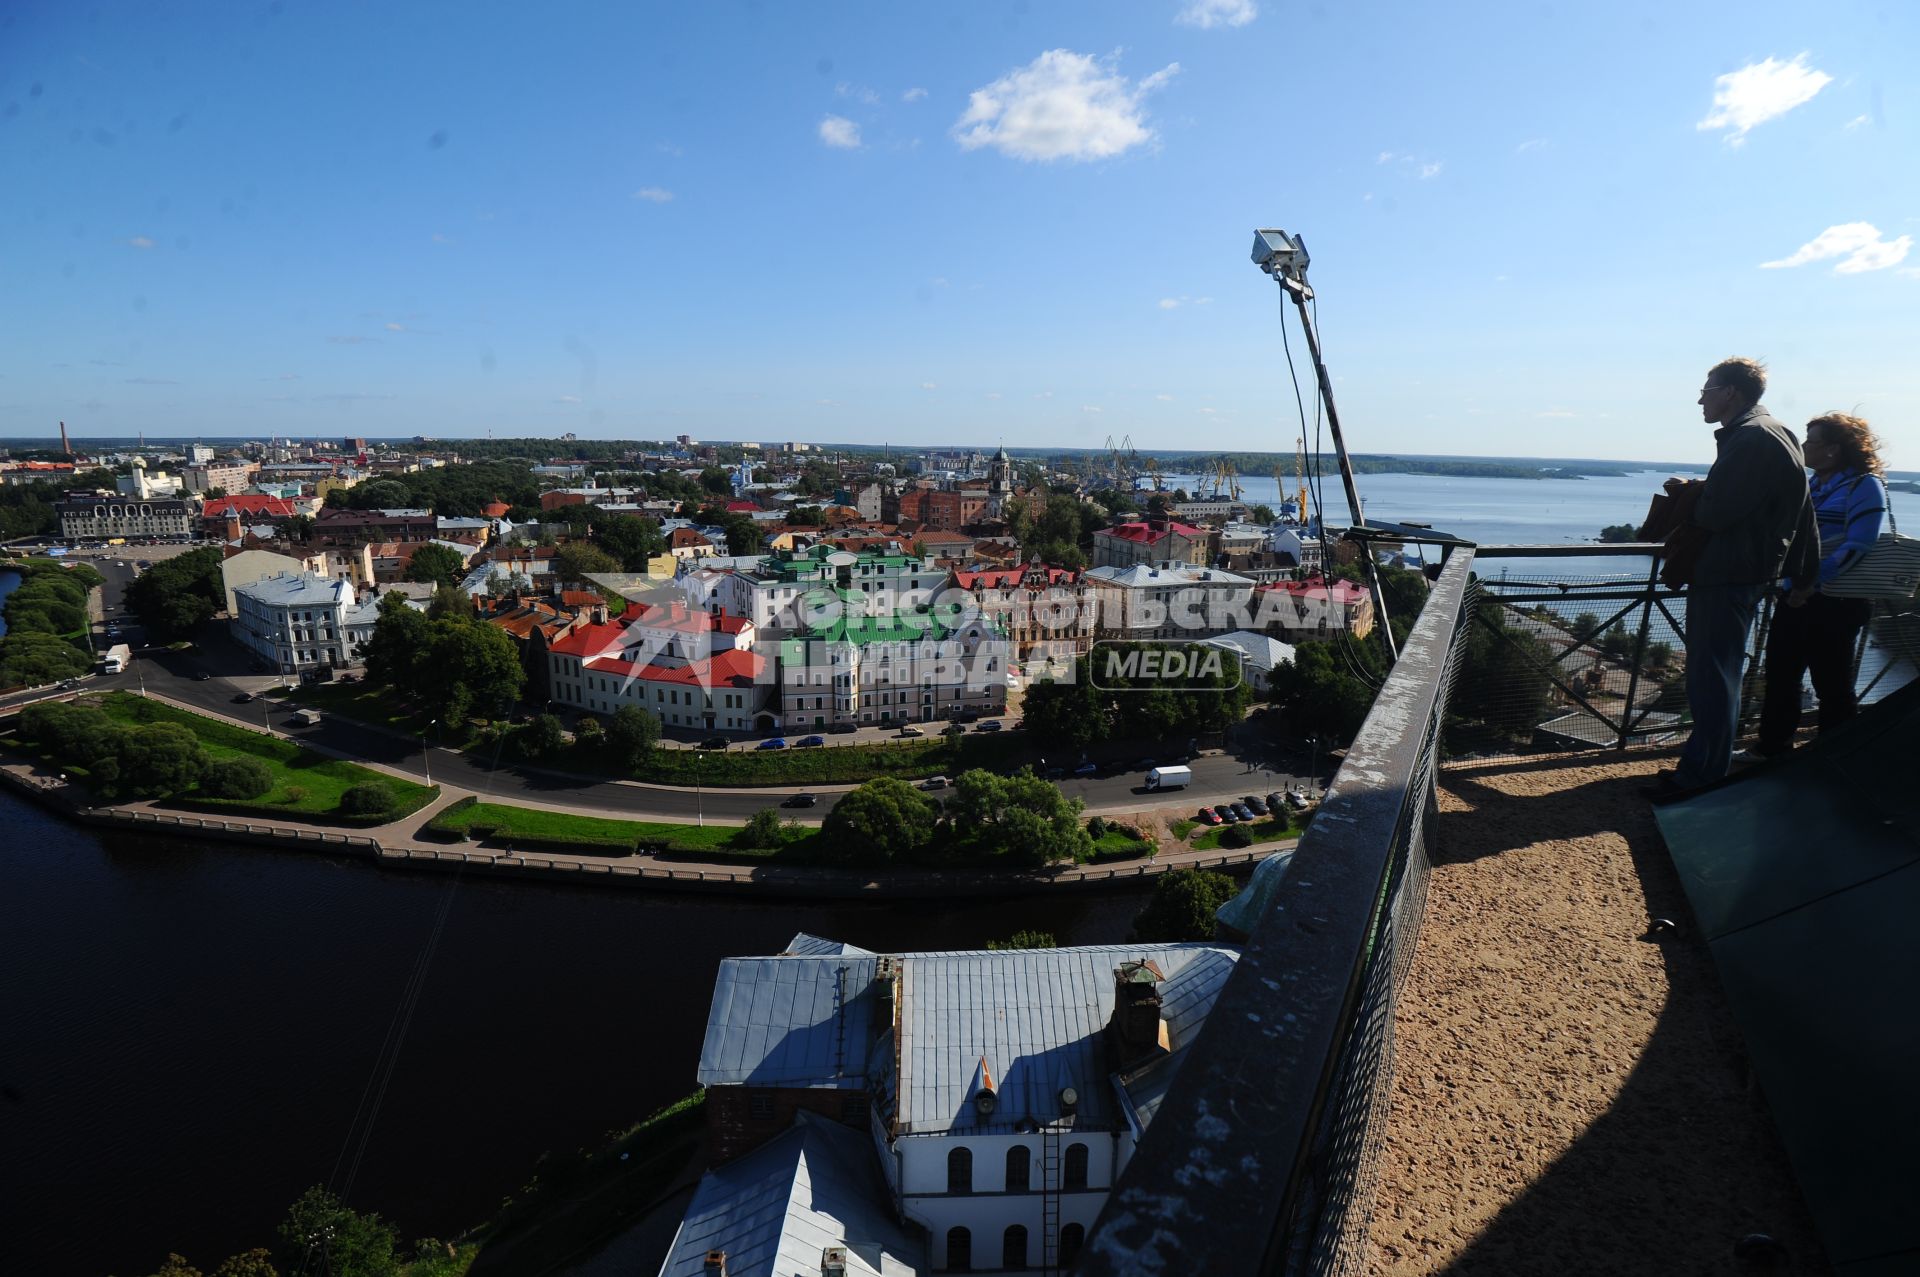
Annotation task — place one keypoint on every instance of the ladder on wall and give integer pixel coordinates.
(1050, 1199)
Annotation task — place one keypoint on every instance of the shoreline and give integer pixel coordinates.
(636, 871)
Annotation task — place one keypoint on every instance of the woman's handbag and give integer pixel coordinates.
(1890, 569)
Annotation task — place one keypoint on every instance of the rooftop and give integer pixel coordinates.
(1148, 533)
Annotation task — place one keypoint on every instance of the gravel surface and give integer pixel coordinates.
(1570, 1096)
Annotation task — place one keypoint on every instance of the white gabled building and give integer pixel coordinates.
(690, 668)
(1002, 1093)
(298, 622)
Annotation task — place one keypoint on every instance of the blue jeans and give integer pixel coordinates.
(1719, 618)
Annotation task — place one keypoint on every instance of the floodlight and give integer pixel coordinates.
(1275, 251)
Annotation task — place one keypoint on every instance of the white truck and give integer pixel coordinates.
(118, 657)
(1170, 778)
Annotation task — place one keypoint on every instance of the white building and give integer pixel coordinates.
(690, 668)
(1001, 1095)
(144, 484)
(1170, 601)
(299, 622)
(1260, 655)
(91, 516)
(230, 477)
(876, 670)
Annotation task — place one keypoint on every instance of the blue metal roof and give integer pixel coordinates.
(804, 945)
(775, 1209)
(789, 1021)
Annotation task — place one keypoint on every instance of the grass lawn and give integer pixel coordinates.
(305, 784)
(833, 764)
(1181, 828)
(532, 827)
(363, 702)
(1262, 831)
(1115, 845)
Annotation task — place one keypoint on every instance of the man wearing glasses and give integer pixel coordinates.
(1755, 511)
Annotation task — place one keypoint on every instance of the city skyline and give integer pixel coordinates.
(921, 227)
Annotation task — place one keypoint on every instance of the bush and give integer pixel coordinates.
(766, 829)
(371, 799)
(236, 778)
(1236, 836)
(1097, 828)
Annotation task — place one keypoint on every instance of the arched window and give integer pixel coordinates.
(1019, 1169)
(1071, 1239)
(1074, 1168)
(959, 1250)
(1013, 1247)
(960, 1171)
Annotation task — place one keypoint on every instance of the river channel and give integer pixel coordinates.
(186, 1032)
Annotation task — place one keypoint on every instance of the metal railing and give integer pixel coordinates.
(1260, 1160)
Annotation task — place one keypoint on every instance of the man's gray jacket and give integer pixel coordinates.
(1755, 505)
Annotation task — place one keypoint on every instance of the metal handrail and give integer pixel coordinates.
(1232, 1177)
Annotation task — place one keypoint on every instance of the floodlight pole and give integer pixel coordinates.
(1289, 270)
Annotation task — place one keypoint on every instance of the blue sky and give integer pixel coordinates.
(1533, 227)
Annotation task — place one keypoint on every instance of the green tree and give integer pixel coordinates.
(450, 602)
(248, 1263)
(1026, 940)
(632, 733)
(240, 777)
(1065, 718)
(159, 758)
(176, 1266)
(176, 596)
(370, 798)
(321, 1234)
(1325, 690)
(544, 737)
(441, 564)
(29, 660)
(764, 829)
(580, 560)
(883, 820)
(1619, 533)
(297, 529)
(399, 642)
(1021, 817)
(632, 541)
(1183, 905)
(1617, 644)
(1263, 515)
(470, 668)
(1502, 691)
(1585, 626)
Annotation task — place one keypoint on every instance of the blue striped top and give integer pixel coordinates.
(1850, 508)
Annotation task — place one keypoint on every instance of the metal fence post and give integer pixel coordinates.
(1639, 653)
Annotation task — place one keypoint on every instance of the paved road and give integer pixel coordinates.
(1217, 777)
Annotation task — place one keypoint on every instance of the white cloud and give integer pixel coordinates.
(1859, 245)
(913, 95)
(1531, 144)
(839, 131)
(1044, 394)
(1557, 414)
(438, 238)
(668, 148)
(1092, 408)
(1061, 106)
(395, 327)
(859, 93)
(1386, 157)
(1208, 14)
(1409, 163)
(654, 195)
(1761, 91)
(1175, 303)
(568, 399)
(140, 241)
(1164, 398)
(1430, 170)
(929, 385)
(938, 281)
(1169, 303)
(1208, 412)
(1859, 121)
(993, 394)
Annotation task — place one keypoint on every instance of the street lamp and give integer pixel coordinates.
(1313, 775)
(426, 756)
(699, 805)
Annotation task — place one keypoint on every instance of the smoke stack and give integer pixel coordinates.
(1136, 1030)
(233, 524)
(65, 445)
(716, 1265)
(833, 1261)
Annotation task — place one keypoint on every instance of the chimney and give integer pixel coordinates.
(65, 446)
(833, 1261)
(1136, 1030)
(716, 1265)
(233, 524)
(600, 613)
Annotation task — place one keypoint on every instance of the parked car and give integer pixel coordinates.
(1055, 773)
(773, 742)
(842, 729)
(1244, 812)
(910, 730)
(715, 742)
(1296, 800)
(1087, 769)
(243, 698)
(935, 782)
(808, 742)
(1208, 816)
(991, 725)
(1255, 805)
(202, 677)
(953, 729)
(802, 800)
(1276, 801)
(1226, 814)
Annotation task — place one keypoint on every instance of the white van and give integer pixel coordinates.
(1170, 778)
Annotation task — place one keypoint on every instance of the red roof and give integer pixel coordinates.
(735, 668)
(1146, 533)
(682, 538)
(742, 507)
(249, 505)
(1006, 578)
(1345, 592)
(496, 510)
(597, 641)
